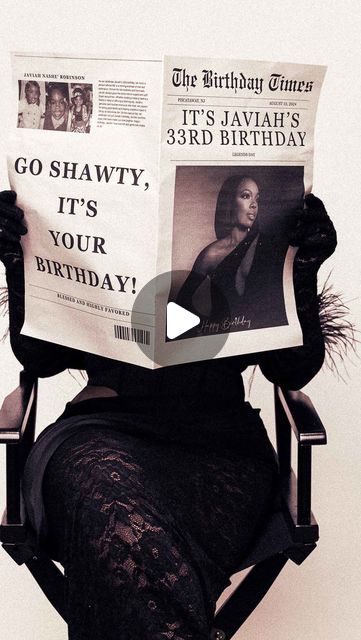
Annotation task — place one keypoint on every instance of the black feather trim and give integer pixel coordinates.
(337, 328)
(4, 308)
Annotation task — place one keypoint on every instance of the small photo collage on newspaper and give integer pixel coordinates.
(55, 106)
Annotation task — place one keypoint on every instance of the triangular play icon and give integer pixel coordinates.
(179, 320)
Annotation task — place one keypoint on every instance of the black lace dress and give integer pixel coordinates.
(151, 498)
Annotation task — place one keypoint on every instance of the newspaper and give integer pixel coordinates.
(158, 235)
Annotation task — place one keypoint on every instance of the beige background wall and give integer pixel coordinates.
(320, 599)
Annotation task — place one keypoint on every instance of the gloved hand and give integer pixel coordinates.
(312, 231)
(11, 229)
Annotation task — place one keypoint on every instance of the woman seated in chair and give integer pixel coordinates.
(152, 484)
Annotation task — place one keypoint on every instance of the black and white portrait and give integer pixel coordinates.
(229, 234)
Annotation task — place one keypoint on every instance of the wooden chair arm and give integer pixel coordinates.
(302, 417)
(17, 431)
(295, 412)
(16, 413)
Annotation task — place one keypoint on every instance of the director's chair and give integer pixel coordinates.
(291, 532)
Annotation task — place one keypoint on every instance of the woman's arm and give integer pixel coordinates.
(294, 367)
(193, 281)
(37, 356)
(313, 232)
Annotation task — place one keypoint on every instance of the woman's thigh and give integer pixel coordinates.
(168, 521)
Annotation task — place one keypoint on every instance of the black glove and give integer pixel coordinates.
(11, 229)
(312, 231)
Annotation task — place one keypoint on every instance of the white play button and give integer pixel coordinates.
(179, 320)
(184, 332)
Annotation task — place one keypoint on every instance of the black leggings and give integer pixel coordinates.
(149, 532)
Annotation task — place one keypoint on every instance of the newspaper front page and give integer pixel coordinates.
(233, 131)
(174, 197)
(87, 179)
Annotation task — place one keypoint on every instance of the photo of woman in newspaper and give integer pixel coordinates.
(236, 281)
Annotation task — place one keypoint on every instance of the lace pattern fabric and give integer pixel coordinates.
(149, 532)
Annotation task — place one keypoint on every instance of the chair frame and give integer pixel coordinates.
(291, 533)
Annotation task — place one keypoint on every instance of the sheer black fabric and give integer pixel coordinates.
(229, 430)
(149, 531)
